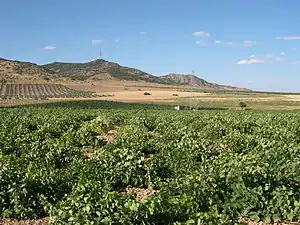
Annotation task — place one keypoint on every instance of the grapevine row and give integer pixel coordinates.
(39, 91)
(84, 166)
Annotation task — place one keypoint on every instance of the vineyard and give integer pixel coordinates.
(39, 91)
(156, 166)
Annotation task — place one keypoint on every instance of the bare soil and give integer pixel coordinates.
(140, 193)
(106, 86)
(130, 91)
(249, 222)
(293, 97)
(43, 221)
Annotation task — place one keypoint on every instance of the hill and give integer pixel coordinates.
(12, 69)
(192, 80)
(98, 69)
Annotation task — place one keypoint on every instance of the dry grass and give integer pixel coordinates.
(130, 91)
(156, 95)
(106, 86)
(293, 97)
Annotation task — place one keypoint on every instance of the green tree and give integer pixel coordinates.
(243, 105)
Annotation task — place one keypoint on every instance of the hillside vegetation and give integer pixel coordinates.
(94, 71)
(99, 69)
(12, 70)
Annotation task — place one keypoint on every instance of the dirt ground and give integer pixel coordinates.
(129, 91)
(43, 221)
(293, 97)
(138, 96)
(107, 86)
(46, 221)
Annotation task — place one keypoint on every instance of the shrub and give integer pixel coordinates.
(147, 93)
(243, 105)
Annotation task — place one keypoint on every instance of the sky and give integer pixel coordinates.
(253, 44)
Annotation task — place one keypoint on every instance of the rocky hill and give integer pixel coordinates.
(98, 69)
(11, 69)
(192, 80)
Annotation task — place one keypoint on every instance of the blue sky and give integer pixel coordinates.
(254, 44)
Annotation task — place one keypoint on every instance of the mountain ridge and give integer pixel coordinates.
(98, 69)
(192, 80)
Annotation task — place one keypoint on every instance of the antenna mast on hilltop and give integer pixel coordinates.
(100, 53)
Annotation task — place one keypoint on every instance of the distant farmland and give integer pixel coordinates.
(40, 91)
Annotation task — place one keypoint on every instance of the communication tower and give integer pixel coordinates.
(100, 53)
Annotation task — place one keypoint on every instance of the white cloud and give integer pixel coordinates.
(201, 34)
(288, 38)
(250, 43)
(49, 47)
(98, 41)
(296, 62)
(249, 61)
(143, 32)
(201, 43)
(228, 43)
(261, 59)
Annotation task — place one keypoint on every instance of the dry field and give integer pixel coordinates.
(293, 97)
(134, 91)
(131, 91)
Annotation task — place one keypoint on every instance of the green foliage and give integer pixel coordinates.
(205, 167)
(95, 104)
(147, 93)
(242, 104)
